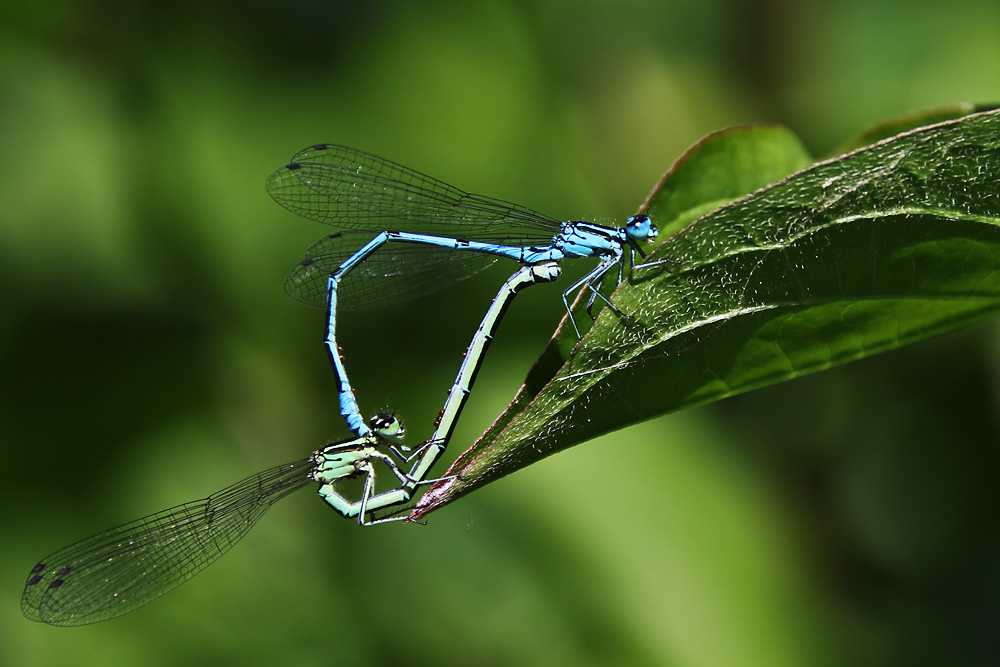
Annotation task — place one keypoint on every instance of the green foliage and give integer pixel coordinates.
(150, 356)
(862, 253)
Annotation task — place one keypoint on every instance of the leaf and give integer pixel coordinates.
(910, 121)
(849, 257)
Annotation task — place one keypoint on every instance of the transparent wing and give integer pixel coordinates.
(394, 273)
(124, 568)
(350, 189)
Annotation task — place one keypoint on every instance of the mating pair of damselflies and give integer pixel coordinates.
(124, 568)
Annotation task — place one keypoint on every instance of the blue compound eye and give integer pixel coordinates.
(640, 227)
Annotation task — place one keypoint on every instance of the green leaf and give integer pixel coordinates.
(849, 257)
(910, 121)
(720, 168)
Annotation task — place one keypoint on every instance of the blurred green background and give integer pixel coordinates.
(149, 356)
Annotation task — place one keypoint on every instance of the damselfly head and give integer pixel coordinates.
(386, 426)
(640, 227)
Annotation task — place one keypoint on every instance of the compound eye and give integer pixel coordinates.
(637, 222)
(386, 425)
(640, 227)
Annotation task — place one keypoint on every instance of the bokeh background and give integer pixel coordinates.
(149, 356)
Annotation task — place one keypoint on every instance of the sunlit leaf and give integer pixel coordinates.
(849, 257)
